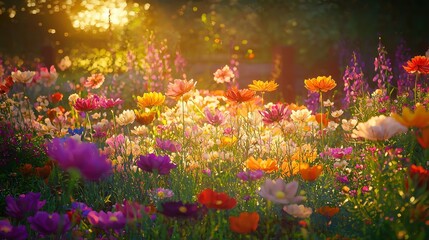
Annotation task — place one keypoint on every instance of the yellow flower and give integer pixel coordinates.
(419, 119)
(150, 99)
(261, 86)
(228, 141)
(144, 118)
(320, 84)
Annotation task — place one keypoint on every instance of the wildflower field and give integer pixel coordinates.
(145, 151)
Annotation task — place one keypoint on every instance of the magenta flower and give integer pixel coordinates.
(215, 119)
(152, 163)
(87, 104)
(160, 194)
(168, 145)
(182, 210)
(106, 221)
(107, 103)
(49, 223)
(276, 113)
(7, 231)
(24, 205)
(131, 210)
(250, 175)
(85, 157)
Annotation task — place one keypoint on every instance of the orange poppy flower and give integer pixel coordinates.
(320, 84)
(322, 119)
(212, 199)
(56, 97)
(423, 139)
(310, 173)
(290, 167)
(419, 64)
(43, 172)
(245, 223)
(150, 99)
(419, 119)
(267, 166)
(261, 86)
(26, 169)
(239, 95)
(144, 118)
(328, 211)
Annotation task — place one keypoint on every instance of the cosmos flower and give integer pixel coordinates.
(181, 210)
(244, 223)
(239, 95)
(216, 200)
(418, 64)
(215, 119)
(279, 192)
(310, 173)
(150, 99)
(106, 221)
(419, 118)
(379, 128)
(94, 81)
(85, 157)
(261, 86)
(160, 193)
(48, 77)
(301, 116)
(275, 114)
(348, 125)
(23, 77)
(24, 205)
(298, 211)
(267, 166)
(224, 75)
(86, 104)
(131, 210)
(107, 103)
(250, 175)
(320, 84)
(151, 163)
(126, 117)
(9, 232)
(49, 223)
(179, 88)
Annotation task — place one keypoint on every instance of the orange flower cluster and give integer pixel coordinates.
(418, 64)
(267, 166)
(42, 172)
(245, 223)
(212, 199)
(320, 84)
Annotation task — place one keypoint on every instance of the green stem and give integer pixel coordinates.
(321, 118)
(183, 134)
(415, 88)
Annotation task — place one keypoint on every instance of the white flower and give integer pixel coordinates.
(348, 125)
(64, 63)
(224, 75)
(73, 97)
(298, 211)
(23, 77)
(301, 116)
(328, 103)
(140, 130)
(338, 113)
(126, 117)
(379, 128)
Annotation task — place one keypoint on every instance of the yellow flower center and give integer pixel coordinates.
(218, 202)
(183, 209)
(113, 219)
(161, 194)
(5, 229)
(280, 194)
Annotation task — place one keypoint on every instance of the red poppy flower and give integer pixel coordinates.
(419, 64)
(56, 97)
(212, 199)
(239, 95)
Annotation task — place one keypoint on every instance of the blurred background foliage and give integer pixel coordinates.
(312, 37)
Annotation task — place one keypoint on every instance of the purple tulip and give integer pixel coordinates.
(49, 223)
(24, 205)
(7, 231)
(72, 154)
(106, 221)
(151, 163)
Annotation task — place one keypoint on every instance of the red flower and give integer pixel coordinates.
(419, 64)
(56, 97)
(6, 85)
(420, 176)
(212, 199)
(245, 223)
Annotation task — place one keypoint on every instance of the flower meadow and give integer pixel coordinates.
(149, 154)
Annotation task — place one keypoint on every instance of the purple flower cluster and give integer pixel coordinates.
(7, 231)
(50, 223)
(383, 68)
(312, 102)
(337, 152)
(85, 157)
(168, 145)
(354, 84)
(24, 205)
(275, 113)
(250, 175)
(404, 81)
(152, 163)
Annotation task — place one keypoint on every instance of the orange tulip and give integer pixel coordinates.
(328, 211)
(267, 166)
(310, 173)
(245, 223)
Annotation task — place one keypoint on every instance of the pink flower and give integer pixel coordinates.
(298, 211)
(215, 119)
(107, 103)
(48, 77)
(95, 81)
(179, 88)
(106, 221)
(279, 192)
(87, 104)
(276, 113)
(224, 75)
